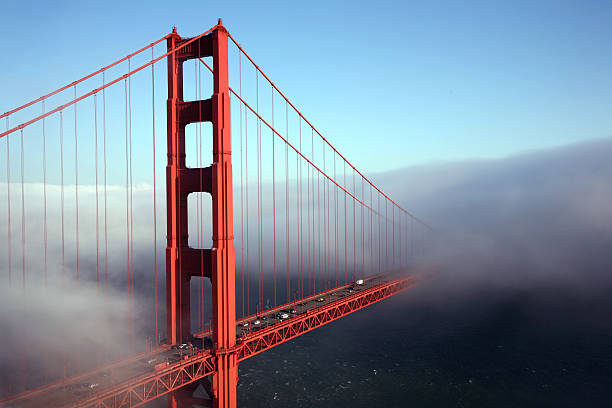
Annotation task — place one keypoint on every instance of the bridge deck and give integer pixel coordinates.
(138, 379)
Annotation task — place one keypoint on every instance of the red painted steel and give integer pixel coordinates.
(147, 387)
(225, 379)
(323, 137)
(60, 108)
(180, 378)
(74, 83)
(177, 291)
(153, 385)
(168, 378)
(267, 338)
(184, 262)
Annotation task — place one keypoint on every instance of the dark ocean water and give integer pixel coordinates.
(482, 349)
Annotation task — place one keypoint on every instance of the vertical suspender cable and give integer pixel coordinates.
(297, 215)
(8, 201)
(400, 246)
(399, 235)
(379, 232)
(44, 153)
(23, 219)
(318, 285)
(327, 251)
(371, 232)
(241, 186)
(23, 239)
(393, 231)
(154, 196)
(105, 186)
(326, 243)
(319, 227)
(406, 240)
(354, 231)
(97, 207)
(288, 298)
(273, 201)
(246, 186)
(314, 262)
(127, 190)
(345, 229)
(131, 198)
(362, 232)
(329, 245)
(61, 120)
(335, 224)
(308, 227)
(415, 248)
(300, 210)
(423, 231)
(421, 239)
(76, 183)
(416, 241)
(411, 238)
(258, 196)
(261, 250)
(261, 211)
(386, 235)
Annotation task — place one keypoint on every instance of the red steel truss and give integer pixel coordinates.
(150, 386)
(312, 319)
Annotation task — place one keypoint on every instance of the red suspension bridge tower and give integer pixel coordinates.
(216, 263)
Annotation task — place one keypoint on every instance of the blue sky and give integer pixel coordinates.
(390, 83)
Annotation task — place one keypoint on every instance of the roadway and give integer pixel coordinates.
(84, 386)
(272, 316)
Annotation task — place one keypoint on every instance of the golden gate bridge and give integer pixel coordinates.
(315, 239)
